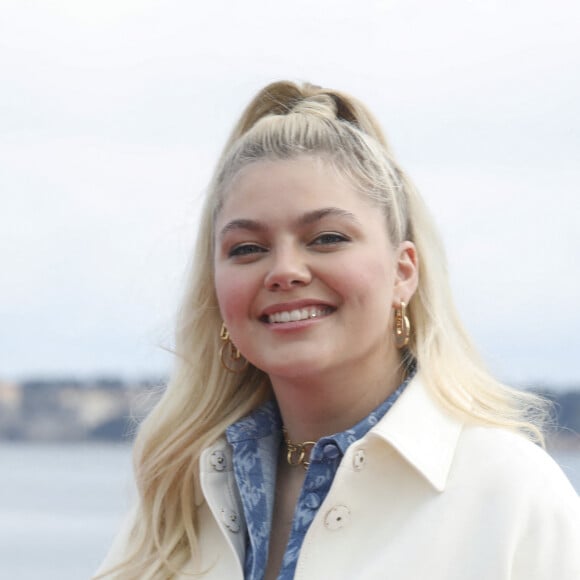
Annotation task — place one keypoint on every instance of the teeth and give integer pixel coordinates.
(298, 314)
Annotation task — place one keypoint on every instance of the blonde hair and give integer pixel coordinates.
(285, 121)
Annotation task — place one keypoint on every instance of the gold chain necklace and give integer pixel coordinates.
(297, 453)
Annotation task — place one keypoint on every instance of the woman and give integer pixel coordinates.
(328, 416)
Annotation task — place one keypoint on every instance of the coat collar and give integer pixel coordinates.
(422, 432)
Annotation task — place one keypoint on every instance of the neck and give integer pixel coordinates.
(314, 407)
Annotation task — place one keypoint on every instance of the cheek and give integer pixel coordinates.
(233, 294)
(225, 295)
(371, 282)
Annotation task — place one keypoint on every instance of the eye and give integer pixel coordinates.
(329, 239)
(243, 250)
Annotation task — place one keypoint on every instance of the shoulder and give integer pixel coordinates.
(509, 458)
(524, 495)
(517, 480)
(118, 551)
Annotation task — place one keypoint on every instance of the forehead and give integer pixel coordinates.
(292, 186)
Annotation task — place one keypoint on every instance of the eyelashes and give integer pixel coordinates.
(329, 239)
(325, 241)
(242, 250)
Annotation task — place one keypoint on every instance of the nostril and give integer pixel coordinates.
(285, 285)
(285, 276)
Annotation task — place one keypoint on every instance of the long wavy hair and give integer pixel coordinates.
(285, 121)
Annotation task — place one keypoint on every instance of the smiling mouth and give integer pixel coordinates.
(298, 314)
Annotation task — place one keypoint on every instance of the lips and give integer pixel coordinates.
(296, 312)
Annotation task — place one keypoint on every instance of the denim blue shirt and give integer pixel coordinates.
(256, 441)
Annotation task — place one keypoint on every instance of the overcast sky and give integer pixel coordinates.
(112, 114)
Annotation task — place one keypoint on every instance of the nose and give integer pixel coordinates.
(288, 270)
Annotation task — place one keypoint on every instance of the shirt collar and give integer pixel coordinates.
(422, 432)
(261, 422)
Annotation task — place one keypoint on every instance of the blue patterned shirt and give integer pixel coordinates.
(256, 441)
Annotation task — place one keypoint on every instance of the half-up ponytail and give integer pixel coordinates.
(284, 97)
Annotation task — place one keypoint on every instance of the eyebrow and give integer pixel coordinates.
(305, 219)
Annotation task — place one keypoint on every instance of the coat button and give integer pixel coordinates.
(230, 519)
(359, 459)
(331, 451)
(218, 460)
(337, 517)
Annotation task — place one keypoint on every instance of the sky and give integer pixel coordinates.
(113, 113)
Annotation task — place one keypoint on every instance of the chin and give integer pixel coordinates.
(293, 368)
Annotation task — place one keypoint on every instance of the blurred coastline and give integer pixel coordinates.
(106, 409)
(109, 409)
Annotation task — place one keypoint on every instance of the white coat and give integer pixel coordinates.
(421, 496)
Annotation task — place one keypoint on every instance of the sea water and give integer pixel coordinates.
(59, 508)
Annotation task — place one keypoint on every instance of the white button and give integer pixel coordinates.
(231, 520)
(337, 517)
(359, 458)
(218, 460)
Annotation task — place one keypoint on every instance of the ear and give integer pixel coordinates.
(406, 274)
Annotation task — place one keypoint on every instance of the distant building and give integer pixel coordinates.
(71, 410)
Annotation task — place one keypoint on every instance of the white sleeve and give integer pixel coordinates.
(549, 544)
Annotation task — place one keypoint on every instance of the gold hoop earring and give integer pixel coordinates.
(230, 357)
(402, 326)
